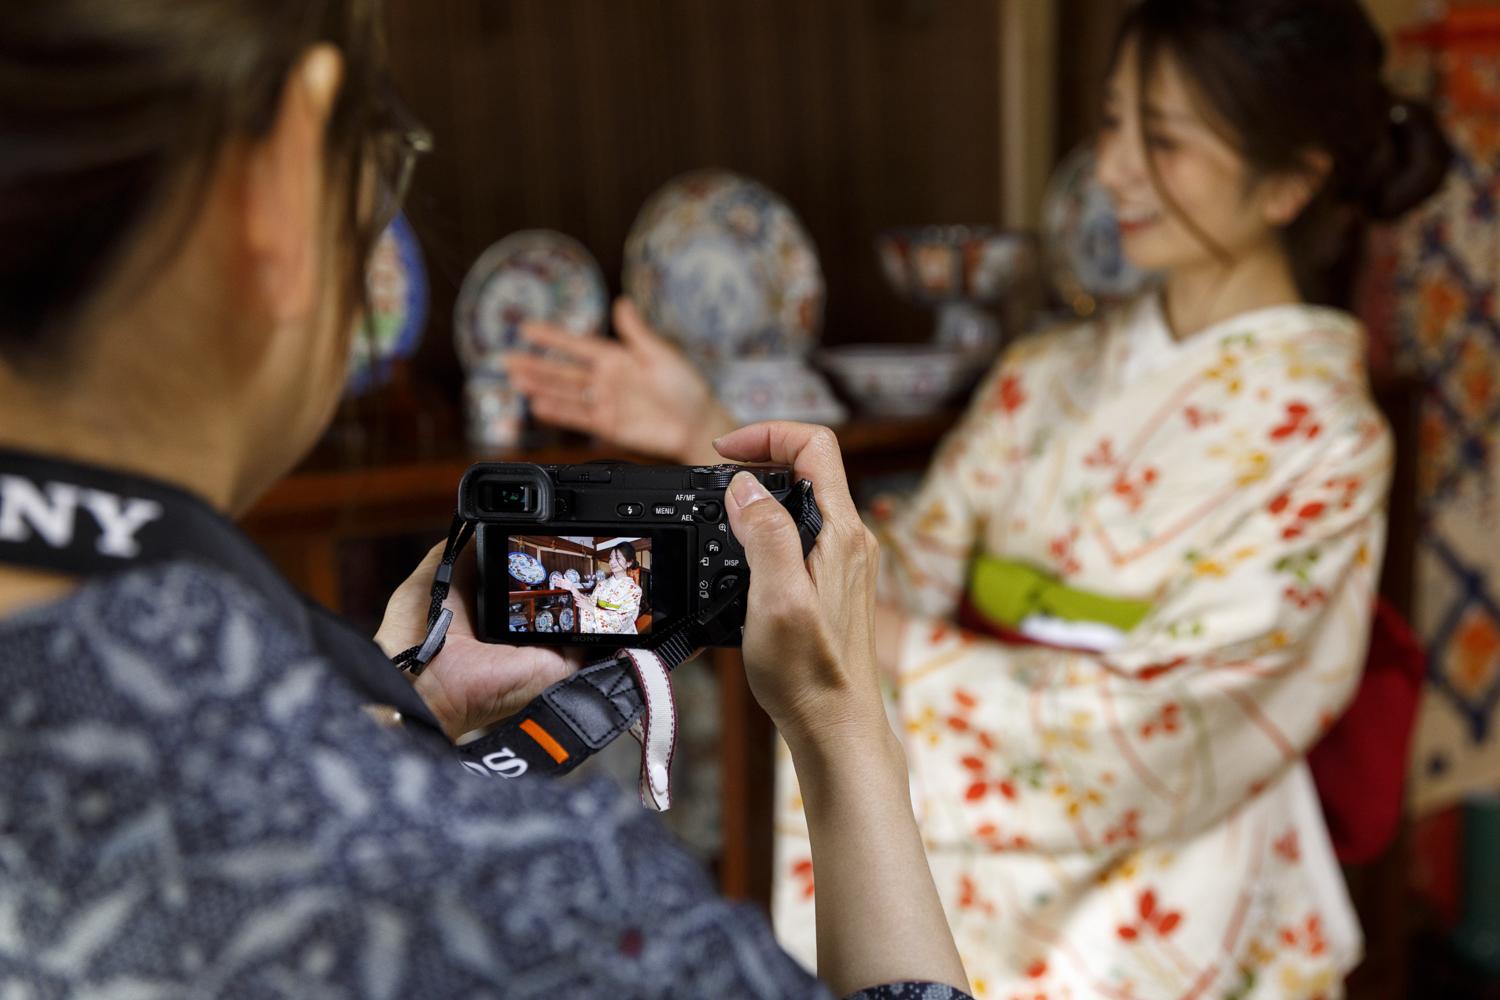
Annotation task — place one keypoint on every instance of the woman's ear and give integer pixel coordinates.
(1286, 195)
(284, 203)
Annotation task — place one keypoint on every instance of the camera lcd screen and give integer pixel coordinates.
(579, 584)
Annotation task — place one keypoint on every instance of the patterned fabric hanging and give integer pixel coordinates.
(1438, 274)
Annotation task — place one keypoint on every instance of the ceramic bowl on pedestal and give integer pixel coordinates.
(903, 380)
(721, 266)
(532, 275)
(776, 389)
(959, 270)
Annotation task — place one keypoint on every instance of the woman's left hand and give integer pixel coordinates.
(470, 684)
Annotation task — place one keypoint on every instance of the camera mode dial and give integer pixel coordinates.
(713, 477)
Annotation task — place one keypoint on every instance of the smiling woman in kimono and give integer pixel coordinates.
(1137, 583)
(1164, 531)
(615, 603)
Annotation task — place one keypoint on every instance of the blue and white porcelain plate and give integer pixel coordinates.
(527, 568)
(720, 264)
(1081, 239)
(398, 294)
(536, 274)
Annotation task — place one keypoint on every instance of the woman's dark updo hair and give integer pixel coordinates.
(112, 111)
(1282, 79)
(628, 551)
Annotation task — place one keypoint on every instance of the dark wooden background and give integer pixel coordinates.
(567, 114)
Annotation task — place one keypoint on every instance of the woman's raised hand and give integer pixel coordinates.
(639, 393)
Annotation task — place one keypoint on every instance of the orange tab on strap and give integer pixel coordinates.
(544, 740)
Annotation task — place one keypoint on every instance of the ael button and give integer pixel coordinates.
(708, 511)
(630, 509)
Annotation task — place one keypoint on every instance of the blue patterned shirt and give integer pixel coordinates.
(193, 803)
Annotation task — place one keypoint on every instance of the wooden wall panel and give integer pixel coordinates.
(567, 114)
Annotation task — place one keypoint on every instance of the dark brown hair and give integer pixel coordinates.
(113, 111)
(628, 551)
(1284, 79)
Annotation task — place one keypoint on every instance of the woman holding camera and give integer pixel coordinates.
(1137, 583)
(196, 801)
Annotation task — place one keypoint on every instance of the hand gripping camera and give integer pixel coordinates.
(613, 554)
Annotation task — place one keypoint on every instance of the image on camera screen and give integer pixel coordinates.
(586, 585)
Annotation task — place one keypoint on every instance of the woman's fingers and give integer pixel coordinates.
(537, 391)
(567, 415)
(773, 549)
(546, 373)
(811, 450)
(582, 350)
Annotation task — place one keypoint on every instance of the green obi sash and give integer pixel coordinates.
(1007, 592)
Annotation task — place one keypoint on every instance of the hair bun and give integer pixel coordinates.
(1414, 162)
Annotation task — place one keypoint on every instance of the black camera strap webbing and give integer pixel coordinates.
(630, 692)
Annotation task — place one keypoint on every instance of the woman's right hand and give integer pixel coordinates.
(809, 632)
(638, 393)
(809, 650)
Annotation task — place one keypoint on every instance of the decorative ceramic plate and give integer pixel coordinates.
(527, 568)
(536, 274)
(518, 623)
(544, 621)
(572, 576)
(1081, 239)
(565, 619)
(722, 266)
(397, 282)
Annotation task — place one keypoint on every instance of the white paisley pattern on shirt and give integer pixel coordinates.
(193, 804)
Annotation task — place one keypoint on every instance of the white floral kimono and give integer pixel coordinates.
(612, 608)
(1183, 541)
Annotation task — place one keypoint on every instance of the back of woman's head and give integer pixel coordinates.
(1285, 80)
(113, 113)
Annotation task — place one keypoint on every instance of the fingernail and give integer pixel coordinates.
(747, 489)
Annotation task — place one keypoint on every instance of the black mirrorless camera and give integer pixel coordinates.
(587, 555)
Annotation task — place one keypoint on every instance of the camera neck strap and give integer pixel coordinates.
(630, 692)
(90, 522)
